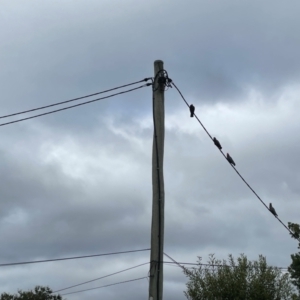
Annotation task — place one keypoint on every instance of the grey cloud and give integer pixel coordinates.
(79, 182)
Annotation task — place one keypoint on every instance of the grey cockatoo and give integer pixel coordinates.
(272, 210)
(217, 143)
(192, 110)
(229, 158)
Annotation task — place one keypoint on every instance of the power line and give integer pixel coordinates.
(103, 286)
(173, 260)
(180, 264)
(74, 99)
(100, 277)
(231, 164)
(69, 258)
(68, 107)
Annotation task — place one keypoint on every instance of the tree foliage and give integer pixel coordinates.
(294, 268)
(39, 293)
(237, 280)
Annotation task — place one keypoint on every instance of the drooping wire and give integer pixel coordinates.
(231, 164)
(74, 99)
(103, 286)
(69, 287)
(174, 261)
(76, 105)
(69, 258)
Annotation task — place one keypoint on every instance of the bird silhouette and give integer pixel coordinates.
(229, 158)
(217, 143)
(192, 110)
(272, 210)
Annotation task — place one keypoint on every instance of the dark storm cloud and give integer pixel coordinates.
(231, 46)
(79, 182)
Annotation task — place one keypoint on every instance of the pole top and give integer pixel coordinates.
(158, 66)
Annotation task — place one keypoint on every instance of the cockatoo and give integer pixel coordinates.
(217, 143)
(272, 210)
(192, 110)
(229, 158)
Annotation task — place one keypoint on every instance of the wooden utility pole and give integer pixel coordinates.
(158, 198)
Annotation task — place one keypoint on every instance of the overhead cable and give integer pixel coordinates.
(231, 164)
(174, 261)
(74, 99)
(104, 286)
(181, 264)
(68, 107)
(69, 287)
(69, 258)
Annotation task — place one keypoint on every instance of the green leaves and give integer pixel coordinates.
(237, 280)
(39, 293)
(294, 268)
(295, 228)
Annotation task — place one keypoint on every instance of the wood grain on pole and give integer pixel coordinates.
(158, 198)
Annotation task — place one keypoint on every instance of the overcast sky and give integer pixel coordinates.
(78, 182)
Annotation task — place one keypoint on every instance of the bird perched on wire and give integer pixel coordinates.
(272, 210)
(229, 158)
(192, 110)
(217, 143)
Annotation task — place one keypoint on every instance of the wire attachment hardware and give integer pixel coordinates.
(163, 80)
